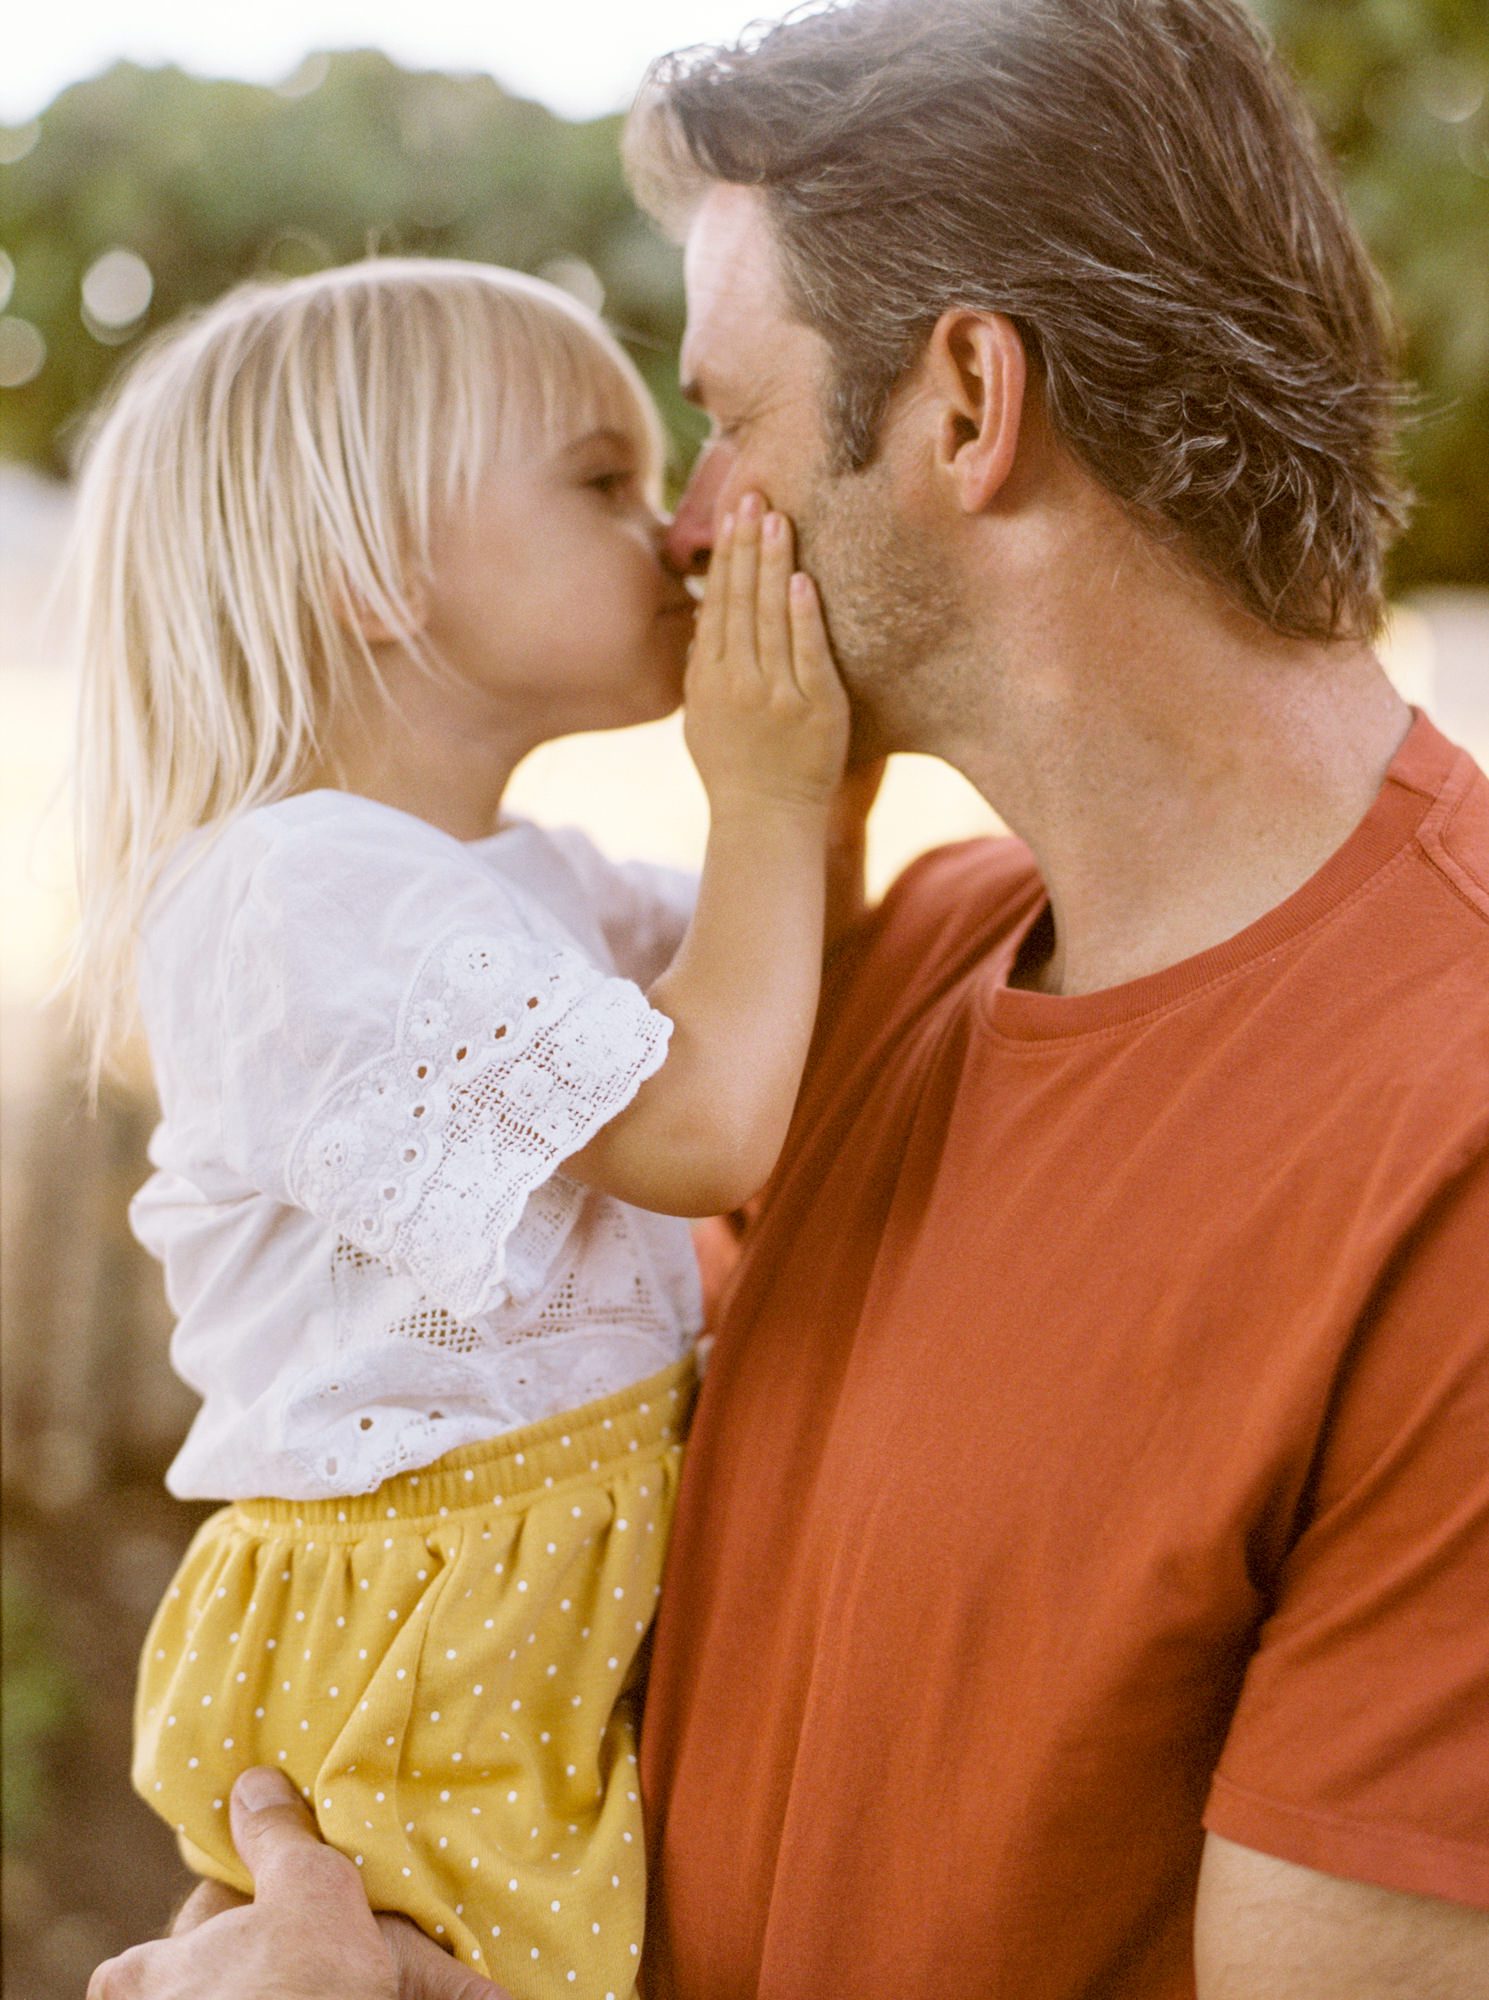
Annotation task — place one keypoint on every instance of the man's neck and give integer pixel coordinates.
(1177, 770)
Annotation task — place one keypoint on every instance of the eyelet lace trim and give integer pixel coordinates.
(510, 1055)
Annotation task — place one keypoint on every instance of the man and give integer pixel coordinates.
(1082, 1566)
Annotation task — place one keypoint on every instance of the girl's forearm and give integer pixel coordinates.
(702, 1135)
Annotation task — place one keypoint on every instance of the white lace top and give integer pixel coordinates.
(374, 1046)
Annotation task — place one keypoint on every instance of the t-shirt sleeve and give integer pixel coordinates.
(409, 1055)
(1360, 1745)
(643, 907)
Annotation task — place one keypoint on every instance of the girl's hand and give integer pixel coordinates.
(766, 717)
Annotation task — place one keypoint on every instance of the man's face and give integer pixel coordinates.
(761, 376)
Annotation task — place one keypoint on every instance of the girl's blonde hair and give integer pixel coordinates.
(263, 465)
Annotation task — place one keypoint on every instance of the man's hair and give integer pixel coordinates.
(1137, 185)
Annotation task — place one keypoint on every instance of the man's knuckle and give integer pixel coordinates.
(117, 1978)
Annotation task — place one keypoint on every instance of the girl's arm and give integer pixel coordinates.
(767, 724)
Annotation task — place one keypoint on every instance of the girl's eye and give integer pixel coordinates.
(611, 482)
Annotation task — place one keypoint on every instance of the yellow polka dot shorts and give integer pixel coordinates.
(445, 1669)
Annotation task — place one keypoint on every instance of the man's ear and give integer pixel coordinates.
(978, 372)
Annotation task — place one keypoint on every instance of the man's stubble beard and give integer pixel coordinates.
(893, 609)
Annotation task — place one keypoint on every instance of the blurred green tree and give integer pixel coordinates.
(209, 182)
(1401, 91)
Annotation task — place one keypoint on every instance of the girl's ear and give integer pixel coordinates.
(978, 371)
(374, 627)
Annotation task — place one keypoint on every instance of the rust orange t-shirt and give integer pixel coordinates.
(1095, 1448)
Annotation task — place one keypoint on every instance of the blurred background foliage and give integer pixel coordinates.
(201, 183)
(145, 191)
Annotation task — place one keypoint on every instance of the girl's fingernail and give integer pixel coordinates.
(726, 527)
(801, 586)
(772, 528)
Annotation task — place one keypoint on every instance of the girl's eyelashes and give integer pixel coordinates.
(613, 482)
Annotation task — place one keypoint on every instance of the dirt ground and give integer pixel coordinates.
(97, 1871)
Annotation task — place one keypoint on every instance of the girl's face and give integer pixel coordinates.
(550, 596)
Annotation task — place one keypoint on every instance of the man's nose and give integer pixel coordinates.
(688, 542)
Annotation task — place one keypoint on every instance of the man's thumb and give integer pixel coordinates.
(272, 1824)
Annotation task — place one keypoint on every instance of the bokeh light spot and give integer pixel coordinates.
(16, 141)
(117, 289)
(23, 352)
(580, 280)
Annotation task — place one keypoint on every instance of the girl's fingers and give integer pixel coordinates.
(739, 597)
(811, 652)
(772, 617)
(708, 629)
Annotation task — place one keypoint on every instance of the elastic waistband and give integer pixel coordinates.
(510, 1469)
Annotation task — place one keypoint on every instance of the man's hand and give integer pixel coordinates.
(307, 1935)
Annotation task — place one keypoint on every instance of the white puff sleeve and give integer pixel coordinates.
(643, 907)
(409, 1051)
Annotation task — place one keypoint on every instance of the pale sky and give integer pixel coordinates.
(582, 57)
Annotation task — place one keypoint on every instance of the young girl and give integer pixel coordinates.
(434, 1083)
